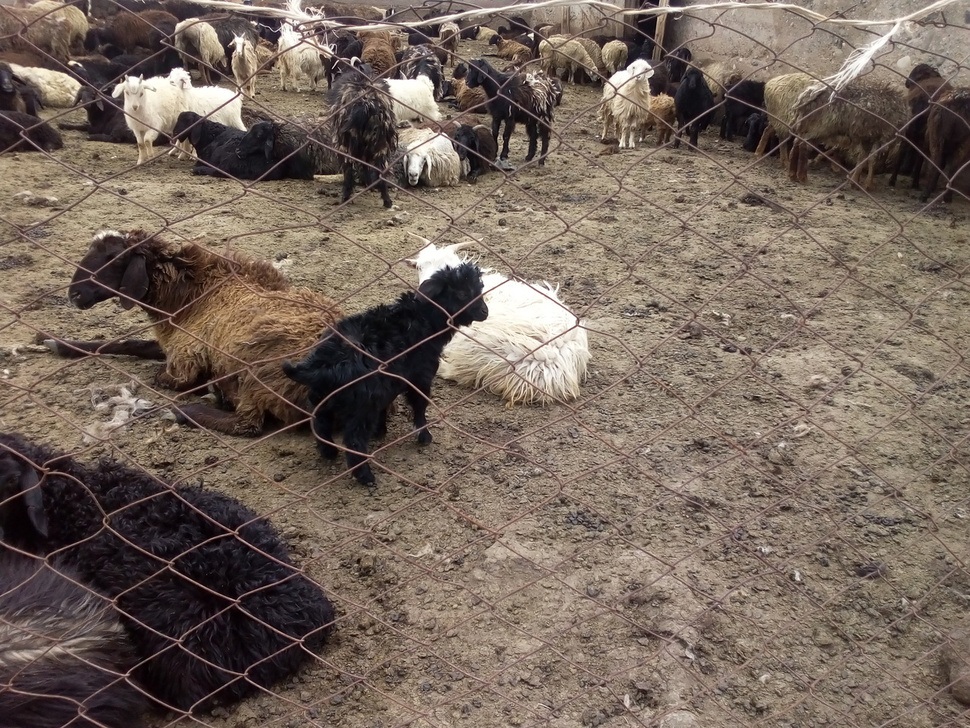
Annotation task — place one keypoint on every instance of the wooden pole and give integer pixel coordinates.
(658, 36)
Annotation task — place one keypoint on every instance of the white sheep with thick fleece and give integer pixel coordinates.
(531, 349)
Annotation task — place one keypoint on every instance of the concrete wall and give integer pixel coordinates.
(769, 38)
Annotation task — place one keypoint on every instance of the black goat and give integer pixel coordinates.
(364, 129)
(204, 587)
(476, 145)
(346, 46)
(63, 654)
(695, 106)
(21, 132)
(357, 371)
(516, 97)
(741, 100)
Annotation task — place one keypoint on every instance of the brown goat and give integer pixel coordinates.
(948, 139)
(223, 320)
(377, 50)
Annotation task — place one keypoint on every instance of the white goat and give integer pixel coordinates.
(198, 44)
(244, 65)
(299, 56)
(413, 98)
(431, 159)
(626, 102)
(531, 349)
(152, 106)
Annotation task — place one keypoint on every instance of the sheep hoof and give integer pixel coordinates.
(425, 438)
(364, 475)
(327, 450)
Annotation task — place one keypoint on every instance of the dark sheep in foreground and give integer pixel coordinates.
(516, 97)
(21, 132)
(221, 320)
(204, 586)
(695, 106)
(357, 371)
(61, 645)
(364, 129)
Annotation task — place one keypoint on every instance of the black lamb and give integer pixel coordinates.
(21, 132)
(61, 647)
(753, 129)
(358, 370)
(476, 145)
(677, 63)
(741, 100)
(16, 94)
(216, 145)
(364, 129)
(695, 106)
(204, 587)
(106, 121)
(516, 97)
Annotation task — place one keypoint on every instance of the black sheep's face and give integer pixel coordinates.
(106, 271)
(458, 290)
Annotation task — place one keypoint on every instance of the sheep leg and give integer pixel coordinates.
(357, 433)
(544, 133)
(207, 417)
(418, 396)
(348, 182)
(531, 128)
(323, 427)
(140, 348)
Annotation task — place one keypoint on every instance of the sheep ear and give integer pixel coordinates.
(195, 136)
(134, 283)
(119, 89)
(99, 104)
(29, 486)
(413, 262)
(268, 147)
(432, 288)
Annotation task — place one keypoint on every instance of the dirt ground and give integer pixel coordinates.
(756, 513)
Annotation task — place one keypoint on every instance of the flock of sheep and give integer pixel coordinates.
(209, 605)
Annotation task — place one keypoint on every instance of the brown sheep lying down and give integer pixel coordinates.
(221, 320)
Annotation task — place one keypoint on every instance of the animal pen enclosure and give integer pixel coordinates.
(753, 514)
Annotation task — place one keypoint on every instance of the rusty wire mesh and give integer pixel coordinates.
(753, 514)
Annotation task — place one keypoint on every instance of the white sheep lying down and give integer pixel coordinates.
(153, 105)
(57, 90)
(430, 158)
(531, 349)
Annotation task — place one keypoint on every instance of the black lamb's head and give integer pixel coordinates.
(111, 267)
(457, 290)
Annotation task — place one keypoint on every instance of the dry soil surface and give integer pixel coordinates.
(755, 514)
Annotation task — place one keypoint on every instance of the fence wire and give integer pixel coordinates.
(712, 473)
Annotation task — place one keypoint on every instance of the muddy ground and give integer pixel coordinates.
(776, 407)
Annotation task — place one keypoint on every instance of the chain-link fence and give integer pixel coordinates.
(713, 474)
